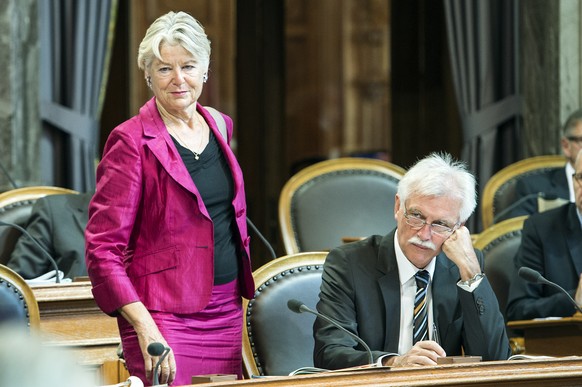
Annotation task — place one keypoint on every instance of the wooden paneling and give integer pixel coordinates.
(366, 76)
(218, 19)
(337, 78)
(424, 111)
(70, 318)
(551, 337)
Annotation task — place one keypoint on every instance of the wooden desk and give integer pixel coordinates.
(69, 317)
(553, 337)
(547, 373)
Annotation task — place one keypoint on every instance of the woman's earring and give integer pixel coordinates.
(149, 82)
(205, 77)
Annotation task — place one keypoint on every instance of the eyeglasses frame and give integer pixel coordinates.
(407, 216)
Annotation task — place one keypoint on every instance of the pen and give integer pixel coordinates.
(435, 334)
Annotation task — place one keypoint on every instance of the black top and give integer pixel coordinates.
(213, 179)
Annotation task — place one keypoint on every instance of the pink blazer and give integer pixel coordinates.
(149, 237)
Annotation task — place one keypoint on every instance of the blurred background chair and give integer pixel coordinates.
(336, 199)
(18, 304)
(500, 244)
(277, 341)
(499, 191)
(15, 207)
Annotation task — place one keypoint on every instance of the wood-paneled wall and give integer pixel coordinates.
(337, 69)
(307, 80)
(218, 19)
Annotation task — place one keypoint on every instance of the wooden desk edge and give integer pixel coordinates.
(485, 373)
(521, 324)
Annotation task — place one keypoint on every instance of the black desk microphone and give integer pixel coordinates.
(299, 307)
(533, 276)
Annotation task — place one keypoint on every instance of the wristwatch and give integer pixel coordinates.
(471, 281)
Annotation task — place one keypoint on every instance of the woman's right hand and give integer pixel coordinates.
(148, 332)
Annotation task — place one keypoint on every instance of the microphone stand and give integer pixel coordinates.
(299, 307)
(535, 277)
(157, 349)
(12, 182)
(262, 238)
(516, 204)
(47, 255)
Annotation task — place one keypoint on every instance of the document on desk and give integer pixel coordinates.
(315, 370)
(521, 356)
(547, 318)
(48, 278)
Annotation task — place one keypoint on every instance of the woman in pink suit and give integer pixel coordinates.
(167, 248)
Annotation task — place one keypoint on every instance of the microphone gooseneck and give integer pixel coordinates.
(299, 307)
(46, 253)
(519, 202)
(12, 182)
(157, 349)
(262, 238)
(535, 277)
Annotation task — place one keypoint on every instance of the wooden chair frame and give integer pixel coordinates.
(263, 276)
(288, 231)
(496, 183)
(494, 232)
(16, 281)
(31, 193)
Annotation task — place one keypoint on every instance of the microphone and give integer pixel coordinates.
(46, 253)
(533, 276)
(262, 238)
(299, 307)
(522, 200)
(12, 183)
(158, 349)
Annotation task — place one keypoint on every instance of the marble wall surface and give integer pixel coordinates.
(20, 129)
(550, 71)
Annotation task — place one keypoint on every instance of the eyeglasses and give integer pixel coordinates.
(576, 139)
(577, 177)
(417, 222)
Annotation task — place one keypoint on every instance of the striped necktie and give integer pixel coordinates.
(420, 310)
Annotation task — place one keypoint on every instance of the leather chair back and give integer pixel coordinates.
(277, 341)
(336, 199)
(17, 301)
(500, 244)
(499, 191)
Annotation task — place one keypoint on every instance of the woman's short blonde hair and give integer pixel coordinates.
(174, 28)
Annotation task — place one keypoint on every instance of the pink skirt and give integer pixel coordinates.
(207, 342)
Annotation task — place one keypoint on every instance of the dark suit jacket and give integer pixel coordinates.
(553, 182)
(58, 223)
(361, 289)
(551, 244)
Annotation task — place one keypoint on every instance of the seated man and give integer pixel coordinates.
(58, 223)
(556, 182)
(370, 286)
(551, 243)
